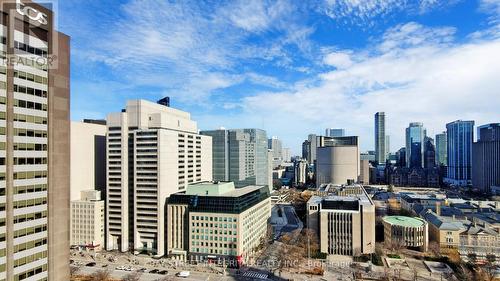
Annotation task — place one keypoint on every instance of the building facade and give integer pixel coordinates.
(406, 231)
(331, 132)
(87, 220)
(88, 157)
(415, 136)
(460, 135)
(338, 160)
(34, 145)
(216, 221)
(380, 138)
(240, 156)
(344, 222)
(441, 149)
(153, 151)
(300, 173)
(486, 158)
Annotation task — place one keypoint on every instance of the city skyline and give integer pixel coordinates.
(275, 58)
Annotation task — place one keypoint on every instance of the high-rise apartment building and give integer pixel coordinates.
(240, 156)
(212, 221)
(88, 157)
(415, 136)
(441, 149)
(153, 151)
(87, 220)
(387, 147)
(460, 135)
(380, 139)
(305, 149)
(34, 144)
(486, 157)
(331, 132)
(311, 158)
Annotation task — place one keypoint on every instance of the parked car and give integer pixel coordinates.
(91, 264)
(155, 271)
(183, 274)
(163, 272)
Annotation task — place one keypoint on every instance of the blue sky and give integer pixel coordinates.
(290, 67)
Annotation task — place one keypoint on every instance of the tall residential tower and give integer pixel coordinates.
(415, 137)
(380, 139)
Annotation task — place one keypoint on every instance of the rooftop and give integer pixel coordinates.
(404, 221)
(218, 188)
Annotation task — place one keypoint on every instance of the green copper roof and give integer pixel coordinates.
(404, 221)
(210, 188)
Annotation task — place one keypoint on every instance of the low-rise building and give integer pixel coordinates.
(344, 222)
(408, 231)
(216, 221)
(87, 220)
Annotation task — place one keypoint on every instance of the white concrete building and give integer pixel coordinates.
(153, 152)
(87, 220)
(88, 157)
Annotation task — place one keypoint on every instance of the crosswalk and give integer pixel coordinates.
(255, 275)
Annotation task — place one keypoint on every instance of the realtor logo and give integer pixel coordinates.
(31, 13)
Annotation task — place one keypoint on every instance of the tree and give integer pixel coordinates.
(101, 275)
(472, 258)
(435, 248)
(308, 240)
(133, 276)
(277, 184)
(73, 270)
(490, 267)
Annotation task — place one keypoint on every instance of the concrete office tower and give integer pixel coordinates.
(300, 172)
(387, 147)
(331, 132)
(344, 222)
(88, 157)
(287, 157)
(338, 161)
(380, 146)
(441, 149)
(276, 146)
(240, 156)
(415, 135)
(364, 172)
(311, 158)
(486, 157)
(34, 145)
(153, 152)
(460, 135)
(214, 221)
(87, 220)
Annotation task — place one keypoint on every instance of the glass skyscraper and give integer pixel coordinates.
(380, 139)
(415, 136)
(441, 149)
(240, 156)
(460, 135)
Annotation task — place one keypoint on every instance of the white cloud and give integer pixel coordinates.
(339, 60)
(428, 79)
(363, 12)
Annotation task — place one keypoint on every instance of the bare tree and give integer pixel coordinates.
(133, 276)
(308, 241)
(101, 275)
(435, 248)
(73, 270)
